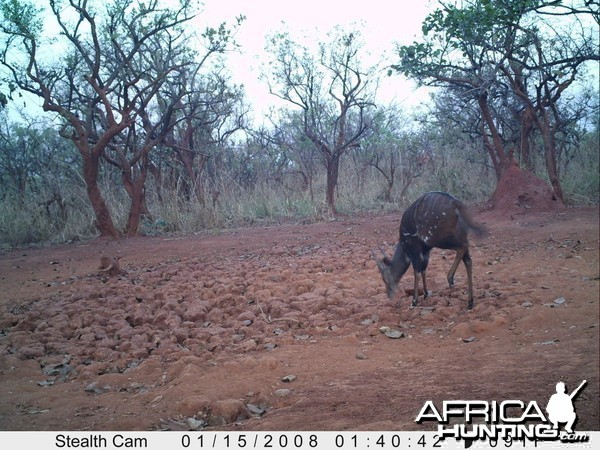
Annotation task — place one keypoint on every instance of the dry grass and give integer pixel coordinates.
(35, 221)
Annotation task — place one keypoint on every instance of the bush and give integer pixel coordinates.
(58, 212)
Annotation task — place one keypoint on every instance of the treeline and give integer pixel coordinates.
(147, 131)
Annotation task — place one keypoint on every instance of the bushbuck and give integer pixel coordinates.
(434, 220)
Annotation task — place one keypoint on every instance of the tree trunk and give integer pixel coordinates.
(500, 159)
(333, 168)
(187, 159)
(550, 158)
(387, 193)
(136, 190)
(104, 222)
(156, 172)
(136, 209)
(527, 122)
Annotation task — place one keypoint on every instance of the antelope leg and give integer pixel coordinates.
(460, 253)
(425, 283)
(469, 266)
(416, 290)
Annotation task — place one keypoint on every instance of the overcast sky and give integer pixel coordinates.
(382, 22)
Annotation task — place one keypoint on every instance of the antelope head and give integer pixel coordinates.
(385, 269)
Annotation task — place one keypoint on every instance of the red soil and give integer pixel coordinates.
(204, 326)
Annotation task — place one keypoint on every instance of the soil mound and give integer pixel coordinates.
(520, 190)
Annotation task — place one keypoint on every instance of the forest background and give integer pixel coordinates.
(146, 130)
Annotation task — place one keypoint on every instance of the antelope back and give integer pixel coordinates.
(435, 219)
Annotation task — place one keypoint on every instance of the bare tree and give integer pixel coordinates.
(210, 109)
(508, 59)
(331, 91)
(297, 157)
(105, 87)
(541, 67)
(397, 152)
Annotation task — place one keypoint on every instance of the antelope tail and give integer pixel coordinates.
(467, 220)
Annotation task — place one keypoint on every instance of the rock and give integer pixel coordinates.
(95, 388)
(526, 304)
(384, 329)
(394, 334)
(195, 424)
(302, 337)
(469, 339)
(288, 378)
(256, 410)
(282, 392)
(216, 421)
(361, 355)
(557, 302)
(366, 322)
(57, 369)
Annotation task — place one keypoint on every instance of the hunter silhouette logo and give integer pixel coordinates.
(510, 420)
(560, 407)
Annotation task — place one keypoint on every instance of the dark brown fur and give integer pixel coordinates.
(434, 220)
